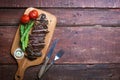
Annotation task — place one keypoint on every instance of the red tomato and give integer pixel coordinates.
(25, 18)
(33, 14)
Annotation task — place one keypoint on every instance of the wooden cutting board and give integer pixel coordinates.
(24, 63)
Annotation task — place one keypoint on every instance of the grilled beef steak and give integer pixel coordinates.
(37, 38)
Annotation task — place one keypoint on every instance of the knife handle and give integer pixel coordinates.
(49, 66)
(43, 68)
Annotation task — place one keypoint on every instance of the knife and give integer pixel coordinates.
(42, 70)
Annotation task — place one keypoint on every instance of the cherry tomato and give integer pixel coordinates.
(33, 14)
(25, 18)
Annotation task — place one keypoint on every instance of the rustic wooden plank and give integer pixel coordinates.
(67, 72)
(61, 3)
(106, 17)
(6, 43)
(94, 44)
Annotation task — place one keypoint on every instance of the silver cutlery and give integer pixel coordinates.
(47, 59)
(46, 67)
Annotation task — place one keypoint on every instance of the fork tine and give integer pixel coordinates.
(60, 53)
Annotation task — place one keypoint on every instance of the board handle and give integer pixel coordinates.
(20, 72)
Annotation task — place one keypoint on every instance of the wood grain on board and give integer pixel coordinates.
(106, 17)
(61, 3)
(90, 44)
(67, 72)
(91, 52)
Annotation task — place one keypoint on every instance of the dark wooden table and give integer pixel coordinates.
(89, 32)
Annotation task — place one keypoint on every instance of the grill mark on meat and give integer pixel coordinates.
(36, 50)
(37, 35)
(36, 41)
(37, 38)
(40, 31)
(39, 44)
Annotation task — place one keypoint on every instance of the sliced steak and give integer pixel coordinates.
(37, 38)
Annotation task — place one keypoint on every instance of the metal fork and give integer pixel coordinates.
(58, 56)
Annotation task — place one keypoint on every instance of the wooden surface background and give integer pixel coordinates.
(89, 33)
